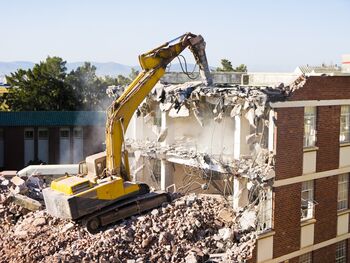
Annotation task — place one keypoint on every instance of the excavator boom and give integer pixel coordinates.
(153, 63)
(103, 192)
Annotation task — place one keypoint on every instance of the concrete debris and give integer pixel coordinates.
(26, 202)
(8, 174)
(247, 220)
(19, 185)
(162, 135)
(186, 230)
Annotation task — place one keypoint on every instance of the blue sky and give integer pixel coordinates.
(266, 35)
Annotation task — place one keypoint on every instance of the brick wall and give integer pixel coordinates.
(328, 121)
(287, 219)
(289, 162)
(289, 142)
(328, 127)
(325, 255)
(324, 88)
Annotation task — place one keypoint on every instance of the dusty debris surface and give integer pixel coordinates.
(190, 229)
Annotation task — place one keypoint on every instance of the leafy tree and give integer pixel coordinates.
(41, 88)
(123, 81)
(89, 89)
(241, 68)
(226, 66)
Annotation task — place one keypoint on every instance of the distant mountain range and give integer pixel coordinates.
(102, 69)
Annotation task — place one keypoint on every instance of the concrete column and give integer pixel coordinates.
(245, 131)
(237, 138)
(166, 174)
(271, 144)
(240, 193)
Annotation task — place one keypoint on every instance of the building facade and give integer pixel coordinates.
(49, 137)
(302, 209)
(311, 186)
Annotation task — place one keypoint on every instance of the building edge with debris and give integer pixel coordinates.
(276, 151)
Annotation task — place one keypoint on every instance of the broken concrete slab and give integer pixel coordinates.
(26, 202)
(8, 174)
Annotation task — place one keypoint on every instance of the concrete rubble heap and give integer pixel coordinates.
(190, 229)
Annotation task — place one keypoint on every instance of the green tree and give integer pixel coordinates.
(41, 88)
(226, 65)
(241, 68)
(89, 89)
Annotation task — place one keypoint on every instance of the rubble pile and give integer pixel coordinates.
(190, 229)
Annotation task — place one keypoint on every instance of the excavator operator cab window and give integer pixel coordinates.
(100, 166)
(83, 168)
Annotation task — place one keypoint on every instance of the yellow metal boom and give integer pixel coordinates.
(153, 64)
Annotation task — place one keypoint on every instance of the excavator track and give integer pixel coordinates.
(124, 209)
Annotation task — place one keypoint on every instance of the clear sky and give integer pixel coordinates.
(265, 35)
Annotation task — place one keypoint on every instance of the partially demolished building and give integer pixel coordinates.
(281, 150)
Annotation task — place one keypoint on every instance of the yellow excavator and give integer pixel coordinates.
(102, 192)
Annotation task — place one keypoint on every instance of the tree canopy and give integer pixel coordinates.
(48, 86)
(226, 66)
(41, 88)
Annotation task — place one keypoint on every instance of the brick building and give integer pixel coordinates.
(49, 137)
(304, 214)
(311, 210)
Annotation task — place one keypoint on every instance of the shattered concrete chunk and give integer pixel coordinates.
(26, 202)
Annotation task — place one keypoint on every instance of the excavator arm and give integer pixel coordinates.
(100, 200)
(153, 64)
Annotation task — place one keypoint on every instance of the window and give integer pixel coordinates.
(309, 126)
(340, 253)
(29, 134)
(343, 185)
(265, 211)
(43, 134)
(307, 202)
(78, 133)
(306, 258)
(64, 133)
(345, 124)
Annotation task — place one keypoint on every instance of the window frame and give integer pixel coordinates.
(310, 137)
(308, 188)
(31, 130)
(265, 216)
(344, 134)
(40, 137)
(341, 252)
(343, 192)
(305, 258)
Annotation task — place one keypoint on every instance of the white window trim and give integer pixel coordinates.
(344, 137)
(307, 187)
(343, 191)
(265, 211)
(310, 113)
